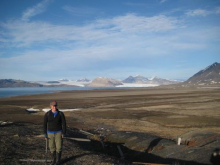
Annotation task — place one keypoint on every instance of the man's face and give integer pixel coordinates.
(53, 107)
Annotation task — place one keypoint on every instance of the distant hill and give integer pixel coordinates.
(104, 82)
(143, 80)
(208, 76)
(9, 83)
(4, 83)
(161, 81)
(136, 79)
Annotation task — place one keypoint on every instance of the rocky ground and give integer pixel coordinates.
(25, 141)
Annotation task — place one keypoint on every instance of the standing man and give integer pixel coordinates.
(55, 130)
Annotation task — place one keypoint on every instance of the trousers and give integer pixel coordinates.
(55, 142)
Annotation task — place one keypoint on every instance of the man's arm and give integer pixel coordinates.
(63, 123)
(45, 123)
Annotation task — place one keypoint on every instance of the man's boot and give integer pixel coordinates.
(53, 155)
(58, 158)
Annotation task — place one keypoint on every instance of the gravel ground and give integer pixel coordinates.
(25, 141)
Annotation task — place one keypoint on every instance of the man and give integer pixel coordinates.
(55, 130)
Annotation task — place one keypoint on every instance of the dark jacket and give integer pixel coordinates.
(56, 123)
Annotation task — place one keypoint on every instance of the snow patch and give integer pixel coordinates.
(66, 110)
(208, 74)
(63, 82)
(213, 65)
(45, 110)
(137, 85)
(63, 110)
(32, 110)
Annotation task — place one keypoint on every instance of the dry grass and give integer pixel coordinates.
(165, 112)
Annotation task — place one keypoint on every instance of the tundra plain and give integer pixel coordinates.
(167, 112)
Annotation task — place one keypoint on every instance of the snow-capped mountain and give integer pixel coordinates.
(160, 81)
(208, 76)
(83, 80)
(154, 80)
(63, 80)
(5, 83)
(136, 79)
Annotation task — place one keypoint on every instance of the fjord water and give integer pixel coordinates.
(18, 91)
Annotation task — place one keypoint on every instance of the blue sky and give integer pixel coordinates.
(54, 39)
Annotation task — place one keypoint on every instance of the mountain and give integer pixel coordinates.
(83, 80)
(208, 76)
(137, 79)
(160, 81)
(9, 83)
(144, 80)
(104, 82)
(4, 83)
(63, 80)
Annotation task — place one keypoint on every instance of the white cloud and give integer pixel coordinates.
(27, 33)
(83, 11)
(134, 23)
(136, 4)
(217, 10)
(198, 12)
(37, 9)
(162, 1)
(124, 38)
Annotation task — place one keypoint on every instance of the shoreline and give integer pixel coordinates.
(54, 90)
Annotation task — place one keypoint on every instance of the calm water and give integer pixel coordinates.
(7, 92)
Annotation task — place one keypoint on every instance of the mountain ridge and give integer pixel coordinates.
(208, 76)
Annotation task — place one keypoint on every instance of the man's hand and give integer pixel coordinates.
(45, 136)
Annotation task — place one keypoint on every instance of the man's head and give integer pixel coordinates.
(53, 105)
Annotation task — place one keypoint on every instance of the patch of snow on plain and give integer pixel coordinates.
(66, 110)
(137, 85)
(63, 110)
(32, 110)
(45, 110)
